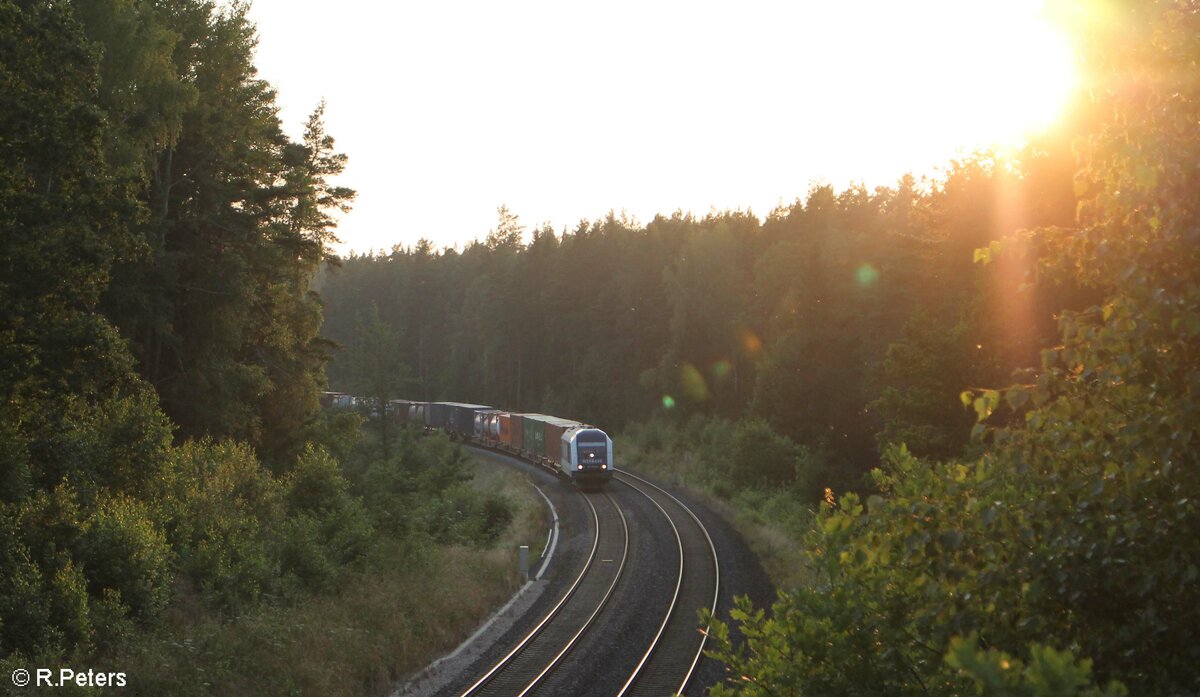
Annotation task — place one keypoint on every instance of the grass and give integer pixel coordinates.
(772, 524)
(531, 520)
(412, 603)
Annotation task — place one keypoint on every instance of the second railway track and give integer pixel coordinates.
(655, 650)
(541, 650)
(669, 662)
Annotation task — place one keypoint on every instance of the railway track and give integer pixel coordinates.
(523, 668)
(665, 665)
(669, 662)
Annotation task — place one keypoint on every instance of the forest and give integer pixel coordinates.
(972, 399)
(847, 321)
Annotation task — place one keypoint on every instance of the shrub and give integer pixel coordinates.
(128, 440)
(1050, 673)
(760, 457)
(123, 550)
(304, 554)
(328, 526)
(316, 485)
(221, 510)
(25, 614)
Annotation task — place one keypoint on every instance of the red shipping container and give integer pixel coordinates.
(518, 430)
(510, 430)
(555, 428)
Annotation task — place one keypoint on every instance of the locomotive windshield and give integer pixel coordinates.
(592, 452)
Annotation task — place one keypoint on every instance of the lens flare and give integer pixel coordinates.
(721, 368)
(867, 275)
(668, 401)
(751, 343)
(692, 383)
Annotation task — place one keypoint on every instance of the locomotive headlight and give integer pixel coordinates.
(603, 466)
(578, 466)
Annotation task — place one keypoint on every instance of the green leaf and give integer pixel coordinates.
(1016, 398)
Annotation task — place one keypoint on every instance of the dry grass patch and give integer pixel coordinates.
(415, 602)
(776, 540)
(531, 519)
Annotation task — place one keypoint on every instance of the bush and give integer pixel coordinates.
(328, 526)
(123, 550)
(991, 549)
(424, 490)
(815, 475)
(26, 621)
(810, 647)
(16, 472)
(316, 485)
(222, 510)
(71, 608)
(761, 458)
(77, 576)
(304, 555)
(128, 441)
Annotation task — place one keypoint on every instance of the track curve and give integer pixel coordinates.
(540, 651)
(669, 662)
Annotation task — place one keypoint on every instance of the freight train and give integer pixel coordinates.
(574, 450)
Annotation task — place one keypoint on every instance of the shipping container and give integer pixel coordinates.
(518, 430)
(336, 399)
(460, 418)
(398, 409)
(510, 430)
(533, 433)
(554, 435)
(437, 414)
(504, 428)
(545, 432)
(483, 424)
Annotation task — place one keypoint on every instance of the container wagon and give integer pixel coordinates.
(574, 450)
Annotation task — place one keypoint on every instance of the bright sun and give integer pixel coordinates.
(1000, 71)
(1020, 73)
(947, 77)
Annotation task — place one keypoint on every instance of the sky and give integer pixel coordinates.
(564, 111)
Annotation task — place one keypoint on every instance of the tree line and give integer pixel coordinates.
(846, 320)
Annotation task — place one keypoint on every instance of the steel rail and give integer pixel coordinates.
(549, 616)
(716, 580)
(674, 597)
(509, 661)
(600, 606)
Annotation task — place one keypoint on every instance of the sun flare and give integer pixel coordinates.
(916, 84)
(707, 106)
(1000, 72)
(1020, 74)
